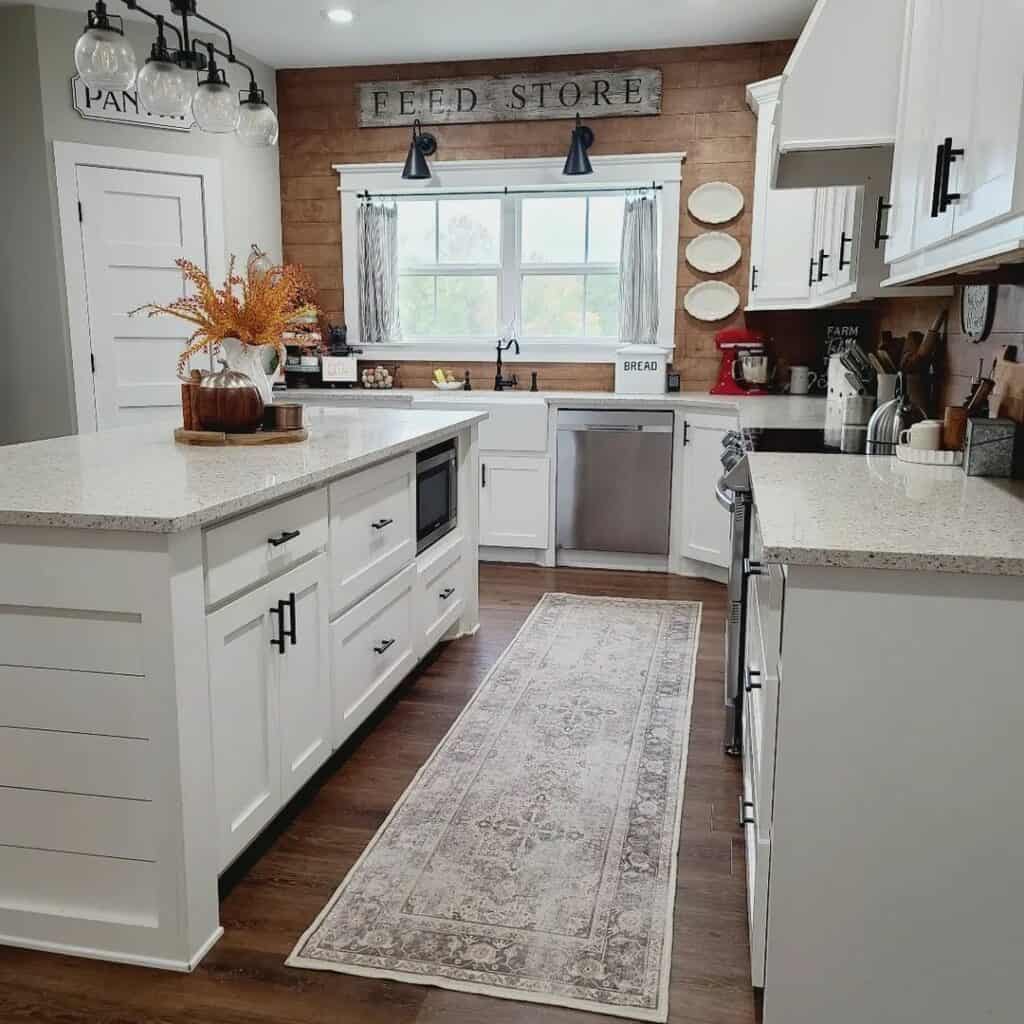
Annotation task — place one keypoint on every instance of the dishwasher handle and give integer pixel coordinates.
(599, 428)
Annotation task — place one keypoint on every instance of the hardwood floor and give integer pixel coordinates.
(274, 897)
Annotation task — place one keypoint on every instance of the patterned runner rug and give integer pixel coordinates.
(533, 856)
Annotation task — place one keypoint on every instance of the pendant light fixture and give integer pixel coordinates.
(105, 60)
(577, 162)
(164, 88)
(215, 105)
(103, 57)
(423, 144)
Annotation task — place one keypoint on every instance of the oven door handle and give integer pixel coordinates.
(722, 494)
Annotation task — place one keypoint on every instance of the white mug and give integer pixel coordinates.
(925, 436)
(801, 380)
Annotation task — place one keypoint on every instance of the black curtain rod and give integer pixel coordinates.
(367, 195)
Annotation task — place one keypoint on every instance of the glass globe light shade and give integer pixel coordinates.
(105, 59)
(257, 124)
(164, 88)
(215, 107)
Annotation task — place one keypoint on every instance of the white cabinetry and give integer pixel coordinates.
(514, 501)
(956, 191)
(705, 524)
(270, 700)
(440, 592)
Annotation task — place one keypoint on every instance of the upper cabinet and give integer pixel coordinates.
(956, 192)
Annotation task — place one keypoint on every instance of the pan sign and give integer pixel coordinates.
(520, 97)
(120, 106)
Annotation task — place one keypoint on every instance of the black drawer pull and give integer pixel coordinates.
(883, 207)
(844, 241)
(949, 154)
(381, 523)
(745, 819)
(753, 279)
(446, 593)
(822, 256)
(278, 641)
(810, 274)
(286, 535)
(752, 674)
(289, 633)
(940, 154)
(382, 647)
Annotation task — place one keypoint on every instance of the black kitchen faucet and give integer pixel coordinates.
(500, 382)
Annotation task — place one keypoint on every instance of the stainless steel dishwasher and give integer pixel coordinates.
(614, 481)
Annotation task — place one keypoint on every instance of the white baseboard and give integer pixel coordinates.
(522, 556)
(115, 956)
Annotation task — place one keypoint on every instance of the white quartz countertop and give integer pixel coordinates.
(140, 479)
(754, 412)
(876, 512)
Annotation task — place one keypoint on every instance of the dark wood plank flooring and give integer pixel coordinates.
(278, 891)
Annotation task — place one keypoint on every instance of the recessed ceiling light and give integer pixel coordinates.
(340, 15)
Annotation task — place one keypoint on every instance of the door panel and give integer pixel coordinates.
(707, 527)
(135, 224)
(514, 498)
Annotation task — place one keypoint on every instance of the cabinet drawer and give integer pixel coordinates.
(440, 593)
(372, 649)
(373, 529)
(758, 855)
(262, 544)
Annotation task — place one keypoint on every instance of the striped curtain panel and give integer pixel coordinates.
(378, 272)
(638, 271)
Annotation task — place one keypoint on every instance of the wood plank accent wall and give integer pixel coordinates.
(703, 113)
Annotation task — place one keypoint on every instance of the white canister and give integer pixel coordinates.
(641, 370)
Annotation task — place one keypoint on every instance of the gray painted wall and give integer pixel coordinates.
(37, 87)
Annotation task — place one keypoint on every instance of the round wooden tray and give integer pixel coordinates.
(218, 437)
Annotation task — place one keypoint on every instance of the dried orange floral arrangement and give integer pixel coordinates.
(271, 301)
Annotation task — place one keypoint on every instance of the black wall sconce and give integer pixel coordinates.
(577, 162)
(423, 144)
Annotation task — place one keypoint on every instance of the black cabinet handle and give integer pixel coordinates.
(382, 647)
(483, 474)
(844, 241)
(745, 819)
(381, 523)
(949, 154)
(822, 256)
(289, 634)
(446, 593)
(940, 153)
(753, 279)
(883, 208)
(285, 536)
(753, 679)
(810, 274)
(278, 641)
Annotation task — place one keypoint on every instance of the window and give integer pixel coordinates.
(471, 267)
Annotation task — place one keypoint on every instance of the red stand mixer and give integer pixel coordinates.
(744, 369)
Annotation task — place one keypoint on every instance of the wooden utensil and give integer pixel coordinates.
(954, 427)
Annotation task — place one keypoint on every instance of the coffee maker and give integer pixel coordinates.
(744, 369)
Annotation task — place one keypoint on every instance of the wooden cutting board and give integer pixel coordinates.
(219, 438)
(1007, 399)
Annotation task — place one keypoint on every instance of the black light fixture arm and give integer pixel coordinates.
(99, 17)
(161, 23)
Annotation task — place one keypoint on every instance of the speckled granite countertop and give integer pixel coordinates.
(862, 512)
(755, 412)
(141, 480)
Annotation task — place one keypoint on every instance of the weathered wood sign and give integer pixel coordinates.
(120, 106)
(520, 97)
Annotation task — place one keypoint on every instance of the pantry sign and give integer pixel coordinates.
(120, 106)
(519, 97)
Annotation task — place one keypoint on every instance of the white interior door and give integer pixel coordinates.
(135, 224)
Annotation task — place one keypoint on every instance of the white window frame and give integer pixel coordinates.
(543, 175)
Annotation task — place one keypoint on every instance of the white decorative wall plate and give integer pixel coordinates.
(713, 252)
(711, 300)
(715, 202)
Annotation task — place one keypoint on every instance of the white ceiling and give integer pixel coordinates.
(294, 33)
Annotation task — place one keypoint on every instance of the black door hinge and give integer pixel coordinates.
(80, 211)
(686, 432)
(92, 362)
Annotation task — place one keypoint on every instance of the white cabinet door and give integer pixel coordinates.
(988, 172)
(846, 237)
(372, 648)
(782, 231)
(706, 525)
(305, 679)
(245, 719)
(514, 501)
(135, 224)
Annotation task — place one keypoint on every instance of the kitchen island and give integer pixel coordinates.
(882, 756)
(187, 635)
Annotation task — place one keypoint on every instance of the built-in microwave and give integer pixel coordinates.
(437, 493)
